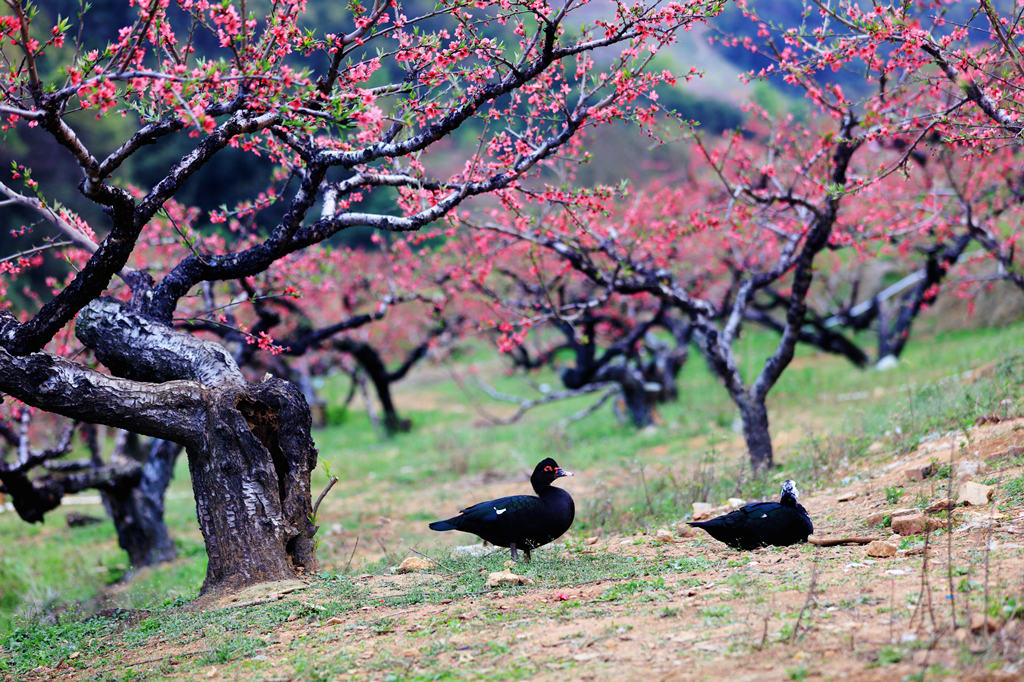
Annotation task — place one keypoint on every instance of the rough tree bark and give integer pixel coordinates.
(250, 474)
(756, 434)
(250, 455)
(249, 446)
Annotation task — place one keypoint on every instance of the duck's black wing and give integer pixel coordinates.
(499, 521)
(758, 524)
(807, 527)
(734, 528)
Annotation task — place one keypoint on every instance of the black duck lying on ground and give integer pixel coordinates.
(521, 521)
(763, 523)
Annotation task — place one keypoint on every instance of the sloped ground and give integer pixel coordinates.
(639, 607)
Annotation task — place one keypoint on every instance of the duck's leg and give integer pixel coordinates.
(515, 554)
(527, 552)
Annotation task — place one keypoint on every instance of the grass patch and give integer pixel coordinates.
(230, 636)
(1013, 493)
(632, 588)
(30, 647)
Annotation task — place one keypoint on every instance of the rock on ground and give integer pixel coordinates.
(914, 523)
(969, 468)
(918, 472)
(412, 564)
(974, 494)
(499, 578)
(701, 511)
(473, 551)
(880, 548)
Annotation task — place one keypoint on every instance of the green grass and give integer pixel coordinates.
(232, 635)
(1013, 493)
(632, 588)
(50, 568)
(466, 576)
(51, 575)
(893, 494)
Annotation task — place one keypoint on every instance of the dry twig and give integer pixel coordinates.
(807, 602)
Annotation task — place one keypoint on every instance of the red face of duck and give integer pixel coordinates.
(559, 472)
(548, 470)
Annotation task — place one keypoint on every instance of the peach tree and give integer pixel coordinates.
(350, 117)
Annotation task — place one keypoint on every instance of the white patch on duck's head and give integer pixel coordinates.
(789, 488)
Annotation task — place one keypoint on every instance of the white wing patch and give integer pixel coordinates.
(764, 516)
(499, 511)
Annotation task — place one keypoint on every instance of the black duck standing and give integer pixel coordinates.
(763, 523)
(521, 521)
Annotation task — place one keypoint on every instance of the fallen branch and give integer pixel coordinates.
(851, 540)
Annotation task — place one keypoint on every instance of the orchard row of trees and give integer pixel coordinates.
(204, 330)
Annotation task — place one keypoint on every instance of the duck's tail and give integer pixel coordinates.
(447, 524)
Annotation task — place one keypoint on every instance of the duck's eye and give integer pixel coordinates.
(547, 468)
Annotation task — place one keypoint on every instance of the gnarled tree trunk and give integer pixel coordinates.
(138, 510)
(250, 474)
(249, 446)
(665, 360)
(636, 393)
(754, 417)
(893, 334)
(372, 363)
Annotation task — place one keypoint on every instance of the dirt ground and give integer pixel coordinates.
(802, 612)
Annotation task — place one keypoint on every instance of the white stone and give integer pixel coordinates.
(471, 551)
(969, 468)
(974, 494)
(701, 510)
